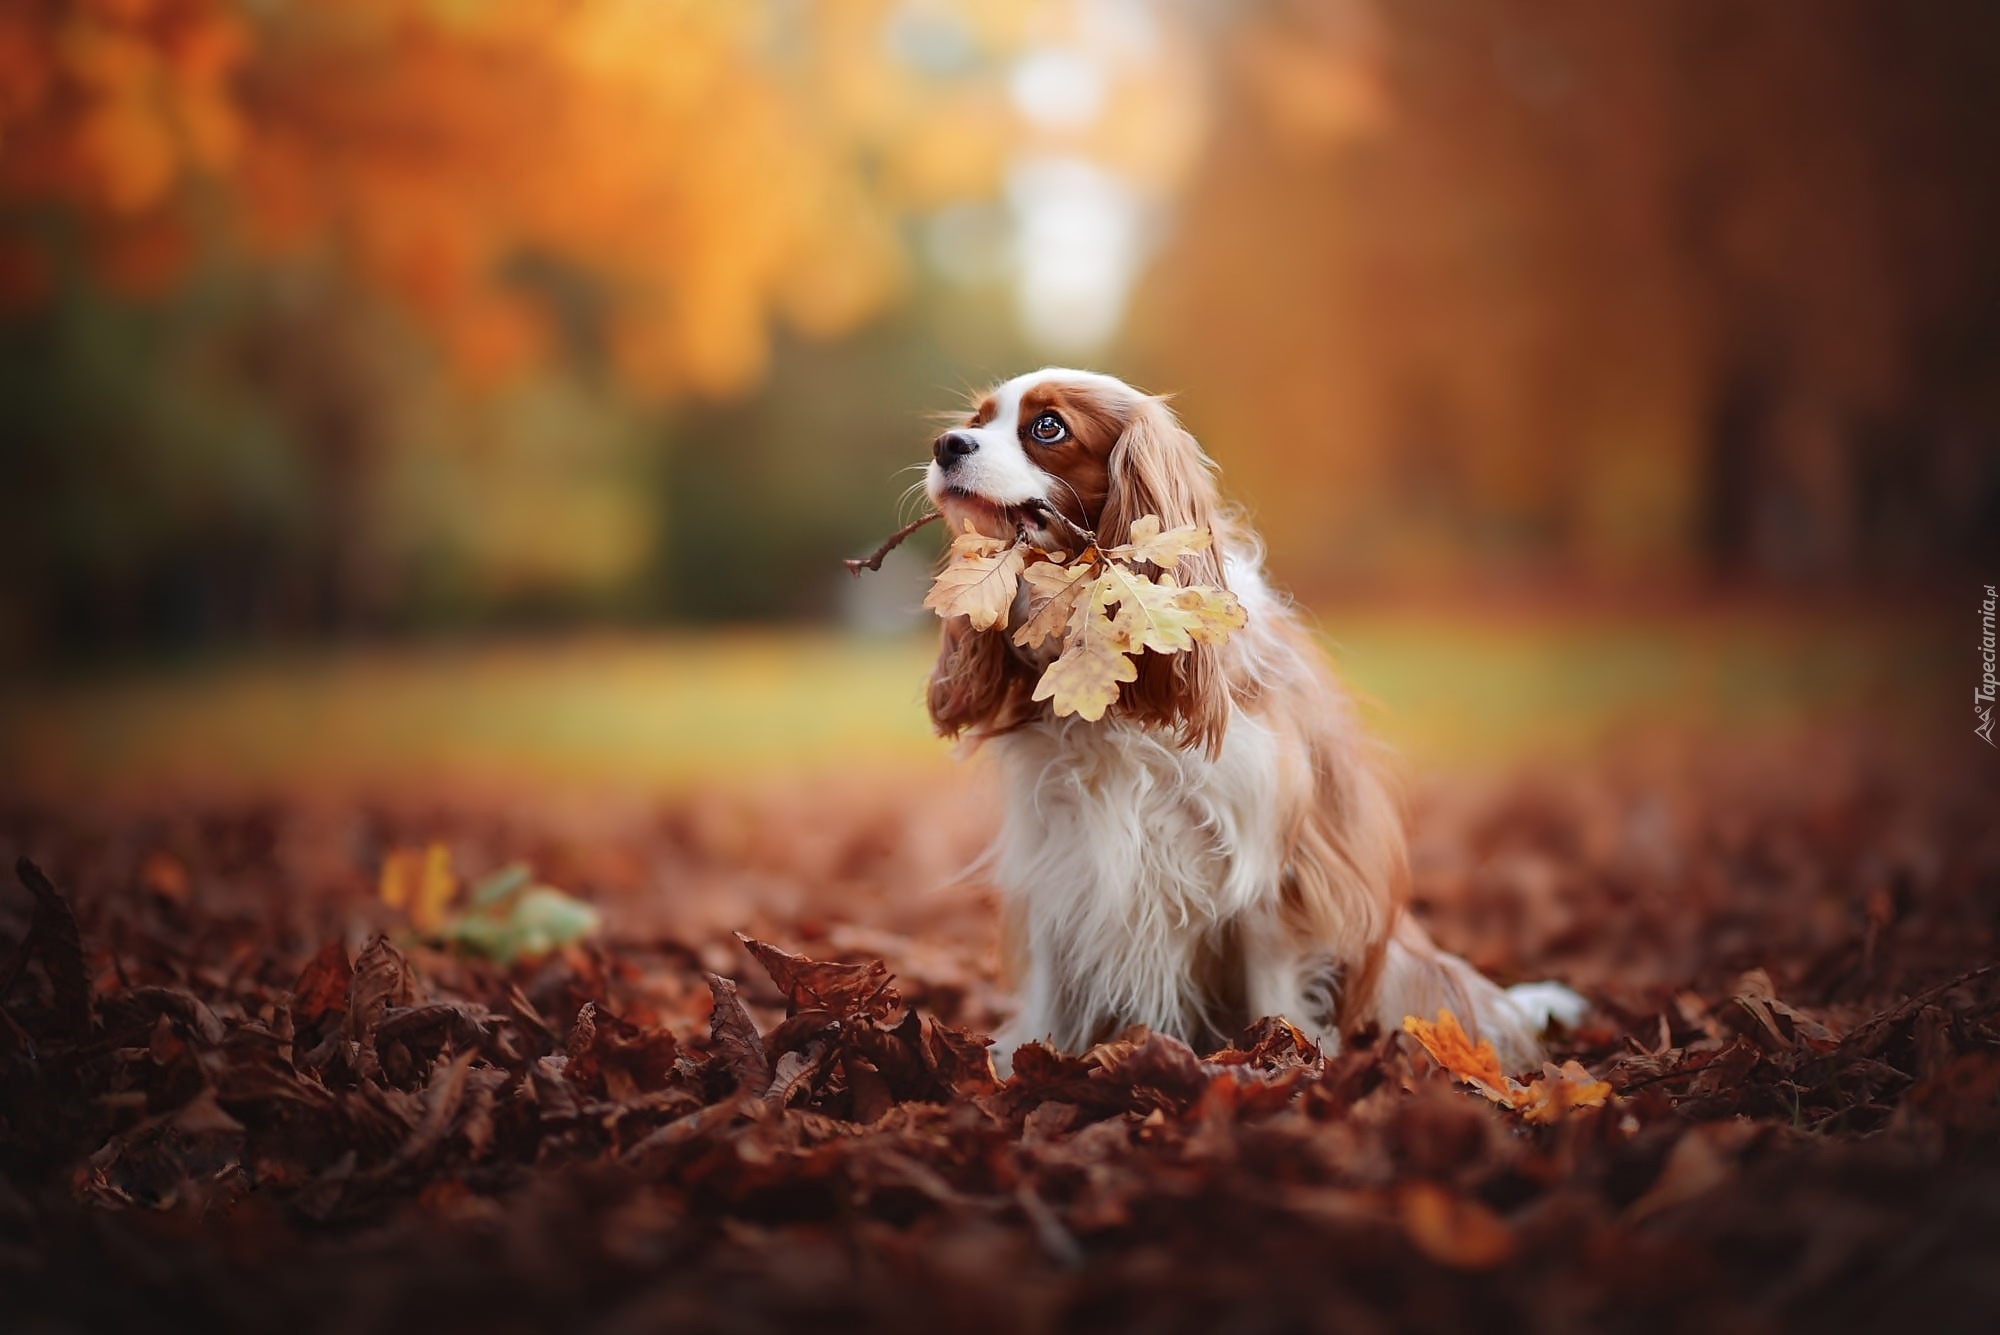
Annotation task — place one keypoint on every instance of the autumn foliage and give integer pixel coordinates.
(652, 170)
(328, 316)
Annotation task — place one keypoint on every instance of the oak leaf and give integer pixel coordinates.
(1104, 606)
(969, 541)
(1084, 680)
(1056, 591)
(1558, 1089)
(1095, 660)
(978, 581)
(1162, 616)
(1543, 1100)
(1452, 1048)
(1213, 614)
(849, 992)
(1146, 543)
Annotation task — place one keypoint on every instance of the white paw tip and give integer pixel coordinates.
(1547, 1003)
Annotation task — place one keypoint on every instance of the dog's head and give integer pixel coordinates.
(1100, 454)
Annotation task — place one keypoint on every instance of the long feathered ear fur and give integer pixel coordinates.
(1158, 468)
(978, 686)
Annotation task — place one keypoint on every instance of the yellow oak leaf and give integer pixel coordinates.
(1148, 544)
(1146, 617)
(1055, 593)
(978, 581)
(969, 541)
(1084, 680)
(1162, 616)
(1214, 614)
(1103, 606)
(1453, 1049)
(1543, 1100)
(1558, 1089)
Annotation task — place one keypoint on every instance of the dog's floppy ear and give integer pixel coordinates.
(978, 686)
(1158, 468)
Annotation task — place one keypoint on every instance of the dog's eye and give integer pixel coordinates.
(1048, 429)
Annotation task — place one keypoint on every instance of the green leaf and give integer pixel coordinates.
(535, 921)
(498, 885)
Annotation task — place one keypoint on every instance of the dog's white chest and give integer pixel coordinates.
(1128, 858)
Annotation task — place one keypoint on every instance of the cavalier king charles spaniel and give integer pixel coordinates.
(1222, 845)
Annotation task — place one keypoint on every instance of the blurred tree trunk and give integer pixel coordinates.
(1647, 290)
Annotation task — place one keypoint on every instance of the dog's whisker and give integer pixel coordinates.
(915, 492)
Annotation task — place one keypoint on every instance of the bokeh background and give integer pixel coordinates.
(395, 389)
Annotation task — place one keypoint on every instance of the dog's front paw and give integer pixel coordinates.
(1547, 1003)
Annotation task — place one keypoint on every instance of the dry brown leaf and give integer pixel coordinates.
(382, 978)
(735, 1037)
(848, 991)
(1162, 616)
(53, 935)
(323, 983)
(610, 1054)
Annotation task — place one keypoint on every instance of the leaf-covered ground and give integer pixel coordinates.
(229, 1101)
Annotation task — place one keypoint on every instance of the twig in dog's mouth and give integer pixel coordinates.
(895, 540)
(1057, 522)
(1043, 514)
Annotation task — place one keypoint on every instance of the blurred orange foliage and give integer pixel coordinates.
(1662, 296)
(688, 172)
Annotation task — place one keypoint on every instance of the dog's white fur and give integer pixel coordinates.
(1229, 851)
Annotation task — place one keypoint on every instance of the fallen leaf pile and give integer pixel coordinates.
(1103, 606)
(238, 1091)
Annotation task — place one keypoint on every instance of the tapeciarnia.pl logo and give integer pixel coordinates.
(1982, 694)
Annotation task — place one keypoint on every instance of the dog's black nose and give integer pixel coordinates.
(952, 446)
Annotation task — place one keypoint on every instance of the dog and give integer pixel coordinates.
(1222, 845)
